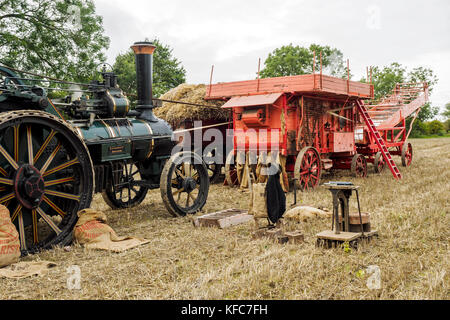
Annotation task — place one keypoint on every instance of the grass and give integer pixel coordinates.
(444, 135)
(183, 262)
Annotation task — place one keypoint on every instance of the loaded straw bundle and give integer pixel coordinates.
(176, 113)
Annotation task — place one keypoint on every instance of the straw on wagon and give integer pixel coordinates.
(176, 113)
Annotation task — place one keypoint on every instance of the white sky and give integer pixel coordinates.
(233, 34)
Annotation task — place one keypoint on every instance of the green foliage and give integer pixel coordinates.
(295, 60)
(430, 128)
(447, 125)
(63, 38)
(446, 113)
(167, 70)
(435, 127)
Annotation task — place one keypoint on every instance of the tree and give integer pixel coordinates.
(446, 113)
(295, 60)
(167, 70)
(62, 38)
(435, 127)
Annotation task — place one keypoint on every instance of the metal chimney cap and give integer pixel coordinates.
(143, 47)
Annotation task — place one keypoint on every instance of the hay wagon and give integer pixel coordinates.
(185, 109)
(306, 122)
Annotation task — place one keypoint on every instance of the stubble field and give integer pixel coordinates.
(183, 262)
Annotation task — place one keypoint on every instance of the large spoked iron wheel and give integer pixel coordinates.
(359, 166)
(46, 177)
(407, 154)
(308, 168)
(379, 163)
(124, 190)
(184, 184)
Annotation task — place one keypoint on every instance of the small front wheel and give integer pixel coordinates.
(359, 166)
(407, 154)
(379, 163)
(184, 184)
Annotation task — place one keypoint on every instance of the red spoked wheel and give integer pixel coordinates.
(379, 163)
(308, 168)
(359, 166)
(407, 154)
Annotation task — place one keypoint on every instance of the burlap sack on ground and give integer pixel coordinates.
(26, 269)
(9, 239)
(92, 232)
(258, 205)
(303, 213)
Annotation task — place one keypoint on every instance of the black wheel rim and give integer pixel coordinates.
(125, 190)
(43, 179)
(186, 185)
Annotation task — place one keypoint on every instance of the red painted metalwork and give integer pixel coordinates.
(321, 112)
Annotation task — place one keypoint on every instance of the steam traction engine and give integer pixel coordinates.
(50, 167)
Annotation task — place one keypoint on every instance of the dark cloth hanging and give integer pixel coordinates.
(275, 198)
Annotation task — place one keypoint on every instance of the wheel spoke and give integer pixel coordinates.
(58, 181)
(30, 146)
(16, 143)
(192, 197)
(23, 244)
(48, 220)
(35, 226)
(11, 161)
(44, 145)
(187, 200)
(16, 212)
(61, 166)
(7, 197)
(3, 172)
(6, 181)
(177, 170)
(50, 159)
(62, 195)
(178, 191)
(54, 206)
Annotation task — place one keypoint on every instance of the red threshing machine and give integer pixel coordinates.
(321, 122)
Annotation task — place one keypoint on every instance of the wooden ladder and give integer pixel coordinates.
(380, 142)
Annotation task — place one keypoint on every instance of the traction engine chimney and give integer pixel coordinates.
(144, 57)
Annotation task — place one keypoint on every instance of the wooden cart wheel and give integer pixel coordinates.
(379, 163)
(308, 168)
(46, 177)
(407, 154)
(234, 170)
(184, 184)
(128, 193)
(359, 166)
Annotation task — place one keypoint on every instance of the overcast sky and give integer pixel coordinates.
(233, 34)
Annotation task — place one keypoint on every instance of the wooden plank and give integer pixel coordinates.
(342, 236)
(223, 219)
(295, 237)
